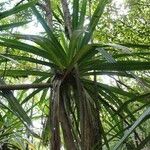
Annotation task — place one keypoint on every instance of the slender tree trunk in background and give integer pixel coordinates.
(47, 8)
(67, 17)
(49, 15)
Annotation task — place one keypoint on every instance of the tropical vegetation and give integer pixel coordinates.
(80, 84)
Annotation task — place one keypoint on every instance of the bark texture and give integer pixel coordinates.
(67, 17)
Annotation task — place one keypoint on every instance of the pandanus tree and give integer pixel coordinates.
(84, 113)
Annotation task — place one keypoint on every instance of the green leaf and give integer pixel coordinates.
(13, 58)
(122, 66)
(123, 74)
(138, 54)
(46, 45)
(144, 98)
(94, 21)
(143, 143)
(23, 73)
(82, 13)
(24, 47)
(106, 55)
(109, 88)
(121, 47)
(15, 106)
(75, 14)
(53, 39)
(16, 9)
(12, 25)
(144, 116)
(80, 53)
(31, 95)
(74, 44)
(8, 58)
(143, 46)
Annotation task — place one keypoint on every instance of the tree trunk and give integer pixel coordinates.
(66, 126)
(55, 131)
(89, 119)
(49, 15)
(67, 17)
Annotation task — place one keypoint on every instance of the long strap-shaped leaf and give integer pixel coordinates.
(145, 115)
(107, 88)
(82, 13)
(80, 53)
(24, 47)
(12, 25)
(45, 44)
(74, 44)
(16, 58)
(53, 39)
(23, 73)
(16, 107)
(110, 59)
(122, 66)
(143, 143)
(94, 20)
(16, 9)
(75, 14)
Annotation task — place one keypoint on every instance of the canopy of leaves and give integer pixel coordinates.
(88, 73)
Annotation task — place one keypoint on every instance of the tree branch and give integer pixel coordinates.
(25, 86)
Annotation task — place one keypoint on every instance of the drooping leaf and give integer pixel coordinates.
(144, 116)
(15, 106)
(17, 9)
(12, 25)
